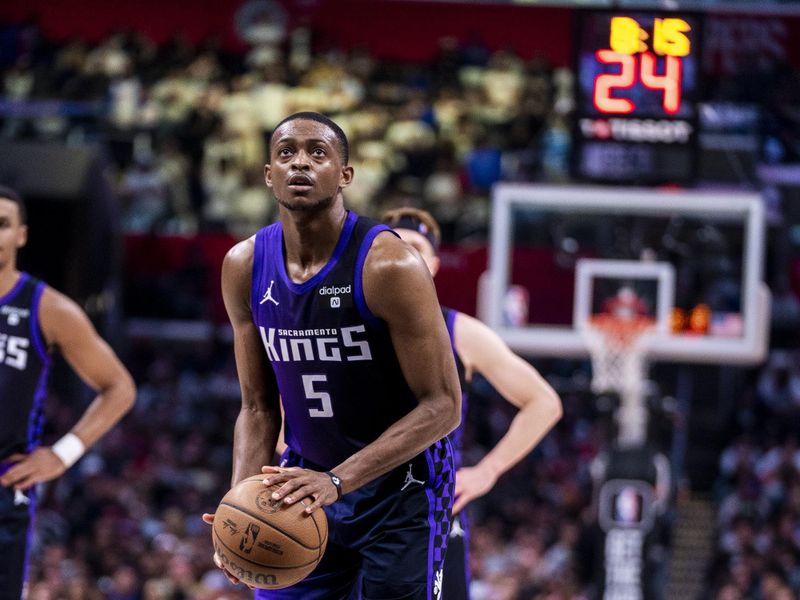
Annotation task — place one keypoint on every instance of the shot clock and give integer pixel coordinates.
(637, 87)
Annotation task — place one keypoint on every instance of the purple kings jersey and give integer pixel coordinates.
(337, 371)
(24, 362)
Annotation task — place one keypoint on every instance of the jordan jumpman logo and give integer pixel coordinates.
(410, 479)
(268, 294)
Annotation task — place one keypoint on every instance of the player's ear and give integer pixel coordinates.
(268, 175)
(22, 236)
(347, 176)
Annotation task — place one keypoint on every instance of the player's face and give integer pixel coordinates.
(13, 234)
(421, 244)
(306, 171)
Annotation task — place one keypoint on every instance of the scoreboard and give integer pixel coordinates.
(637, 87)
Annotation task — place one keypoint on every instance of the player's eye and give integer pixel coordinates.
(284, 152)
(318, 152)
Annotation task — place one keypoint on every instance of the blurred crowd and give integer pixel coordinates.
(187, 128)
(757, 552)
(189, 125)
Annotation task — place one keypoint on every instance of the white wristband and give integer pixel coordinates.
(69, 449)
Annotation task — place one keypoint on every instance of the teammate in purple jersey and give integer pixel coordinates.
(337, 318)
(478, 349)
(35, 318)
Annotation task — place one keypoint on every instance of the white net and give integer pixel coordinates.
(618, 350)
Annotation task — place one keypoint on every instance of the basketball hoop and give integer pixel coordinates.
(616, 346)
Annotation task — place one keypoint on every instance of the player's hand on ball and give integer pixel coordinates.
(471, 483)
(209, 519)
(301, 483)
(40, 465)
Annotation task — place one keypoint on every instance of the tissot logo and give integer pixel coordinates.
(335, 290)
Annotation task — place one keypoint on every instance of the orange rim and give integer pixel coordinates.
(621, 332)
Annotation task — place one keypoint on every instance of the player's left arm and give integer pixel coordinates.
(399, 290)
(481, 350)
(66, 326)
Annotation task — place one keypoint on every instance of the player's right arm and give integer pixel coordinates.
(481, 350)
(256, 432)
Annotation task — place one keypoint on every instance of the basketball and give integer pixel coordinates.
(263, 542)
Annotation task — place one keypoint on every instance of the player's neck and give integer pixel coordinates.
(8, 279)
(310, 238)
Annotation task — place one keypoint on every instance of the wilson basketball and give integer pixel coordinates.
(263, 542)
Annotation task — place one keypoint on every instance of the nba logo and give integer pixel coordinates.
(628, 507)
(335, 302)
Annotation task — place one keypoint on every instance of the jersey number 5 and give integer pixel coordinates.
(326, 409)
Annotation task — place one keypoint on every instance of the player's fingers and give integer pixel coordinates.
(230, 577)
(208, 518)
(302, 491)
(319, 502)
(282, 475)
(227, 573)
(460, 503)
(25, 484)
(14, 475)
(287, 488)
(271, 469)
(14, 458)
(274, 478)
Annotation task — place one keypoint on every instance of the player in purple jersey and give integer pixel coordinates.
(479, 350)
(35, 318)
(335, 317)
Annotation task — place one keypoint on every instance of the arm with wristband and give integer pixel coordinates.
(66, 327)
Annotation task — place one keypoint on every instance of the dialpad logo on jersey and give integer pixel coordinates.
(13, 351)
(299, 345)
(14, 315)
(336, 292)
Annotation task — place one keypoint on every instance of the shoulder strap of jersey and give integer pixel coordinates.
(260, 257)
(358, 288)
(37, 335)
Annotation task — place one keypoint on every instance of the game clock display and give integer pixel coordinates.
(636, 92)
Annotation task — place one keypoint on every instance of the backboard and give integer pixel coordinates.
(701, 252)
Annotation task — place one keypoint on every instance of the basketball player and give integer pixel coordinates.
(34, 319)
(478, 349)
(336, 316)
